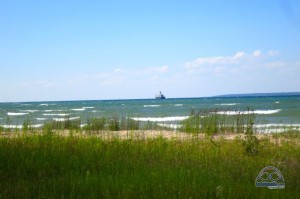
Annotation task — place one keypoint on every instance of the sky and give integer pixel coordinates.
(94, 50)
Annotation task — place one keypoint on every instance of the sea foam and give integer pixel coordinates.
(20, 126)
(31, 111)
(160, 119)
(276, 128)
(178, 104)
(228, 104)
(41, 119)
(65, 119)
(154, 105)
(78, 109)
(172, 126)
(56, 114)
(259, 112)
(16, 114)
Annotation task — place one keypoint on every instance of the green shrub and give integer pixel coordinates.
(251, 142)
(96, 124)
(113, 123)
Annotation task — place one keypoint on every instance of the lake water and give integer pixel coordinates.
(278, 112)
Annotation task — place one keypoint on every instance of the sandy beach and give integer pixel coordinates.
(152, 134)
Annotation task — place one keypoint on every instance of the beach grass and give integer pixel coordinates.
(210, 122)
(52, 166)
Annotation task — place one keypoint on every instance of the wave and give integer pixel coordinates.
(259, 112)
(53, 110)
(16, 114)
(44, 105)
(277, 102)
(41, 119)
(228, 104)
(10, 126)
(78, 109)
(31, 111)
(155, 105)
(25, 104)
(88, 107)
(276, 128)
(160, 119)
(276, 125)
(65, 119)
(172, 126)
(48, 110)
(56, 114)
(178, 104)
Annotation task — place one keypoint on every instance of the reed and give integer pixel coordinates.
(210, 122)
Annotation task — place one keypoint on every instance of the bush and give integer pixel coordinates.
(96, 124)
(251, 142)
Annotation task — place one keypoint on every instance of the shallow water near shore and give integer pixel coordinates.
(270, 112)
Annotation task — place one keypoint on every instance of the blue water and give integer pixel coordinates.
(268, 110)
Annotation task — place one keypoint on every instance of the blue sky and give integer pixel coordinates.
(88, 50)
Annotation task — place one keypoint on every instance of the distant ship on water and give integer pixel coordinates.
(160, 96)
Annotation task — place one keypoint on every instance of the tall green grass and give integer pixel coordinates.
(50, 166)
(210, 122)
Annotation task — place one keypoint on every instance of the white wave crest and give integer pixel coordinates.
(259, 112)
(53, 111)
(228, 104)
(277, 125)
(160, 119)
(172, 126)
(41, 119)
(265, 112)
(56, 114)
(44, 105)
(16, 114)
(31, 111)
(154, 105)
(78, 109)
(65, 119)
(178, 104)
(20, 126)
(276, 128)
(88, 107)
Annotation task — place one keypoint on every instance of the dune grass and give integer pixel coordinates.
(210, 122)
(51, 166)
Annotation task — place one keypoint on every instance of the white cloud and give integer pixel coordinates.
(38, 83)
(118, 70)
(257, 53)
(108, 79)
(155, 70)
(276, 64)
(163, 69)
(237, 64)
(297, 63)
(273, 53)
(221, 60)
(79, 80)
(238, 55)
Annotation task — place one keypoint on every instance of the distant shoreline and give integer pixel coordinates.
(280, 94)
